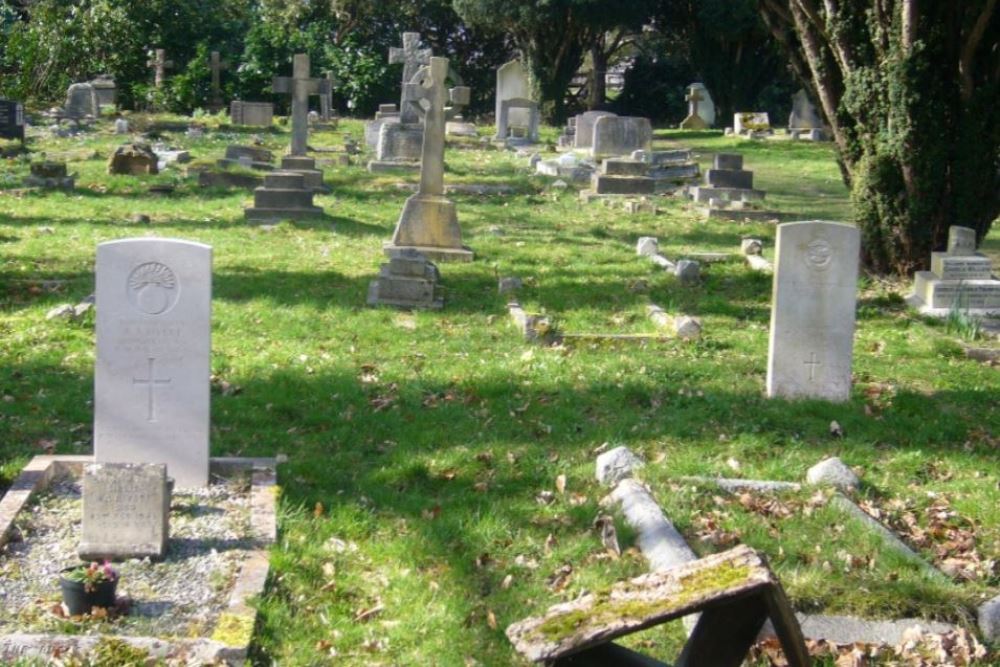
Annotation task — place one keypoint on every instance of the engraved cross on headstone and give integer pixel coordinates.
(300, 87)
(217, 65)
(812, 363)
(151, 381)
(159, 63)
(429, 85)
(412, 57)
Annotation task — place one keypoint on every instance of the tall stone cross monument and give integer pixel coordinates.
(159, 64)
(217, 65)
(428, 222)
(412, 57)
(300, 87)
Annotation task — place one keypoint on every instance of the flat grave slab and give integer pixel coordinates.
(192, 605)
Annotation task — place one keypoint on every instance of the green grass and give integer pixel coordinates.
(410, 532)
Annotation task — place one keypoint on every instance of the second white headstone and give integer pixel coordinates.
(151, 377)
(813, 311)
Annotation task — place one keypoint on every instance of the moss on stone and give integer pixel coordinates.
(233, 629)
(696, 585)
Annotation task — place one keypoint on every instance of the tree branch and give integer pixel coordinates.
(966, 66)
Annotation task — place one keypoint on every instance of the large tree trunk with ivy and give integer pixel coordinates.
(910, 89)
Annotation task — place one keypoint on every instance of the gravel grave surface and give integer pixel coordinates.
(180, 596)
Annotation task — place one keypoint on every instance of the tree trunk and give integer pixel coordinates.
(908, 94)
(598, 80)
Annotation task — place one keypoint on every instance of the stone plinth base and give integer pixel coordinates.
(381, 166)
(703, 193)
(936, 297)
(462, 254)
(429, 225)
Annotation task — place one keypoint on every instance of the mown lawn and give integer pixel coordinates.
(410, 531)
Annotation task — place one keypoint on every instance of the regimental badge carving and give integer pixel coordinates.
(152, 288)
(819, 254)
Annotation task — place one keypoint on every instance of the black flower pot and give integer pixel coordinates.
(80, 598)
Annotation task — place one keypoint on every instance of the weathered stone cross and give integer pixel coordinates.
(217, 65)
(159, 63)
(300, 86)
(429, 84)
(694, 97)
(412, 57)
(151, 383)
(326, 101)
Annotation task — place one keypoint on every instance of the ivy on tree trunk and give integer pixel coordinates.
(910, 89)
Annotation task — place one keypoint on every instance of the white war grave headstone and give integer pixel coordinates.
(812, 311)
(151, 376)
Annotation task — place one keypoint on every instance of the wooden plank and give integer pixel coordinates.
(786, 627)
(608, 654)
(725, 633)
(639, 603)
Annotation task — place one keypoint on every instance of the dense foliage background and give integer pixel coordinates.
(662, 45)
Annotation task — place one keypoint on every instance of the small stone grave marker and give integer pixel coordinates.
(126, 509)
(11, 119)
(151, 376)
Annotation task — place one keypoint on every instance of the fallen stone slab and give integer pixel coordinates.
(736, 485)
(659, 541)
(851, 629)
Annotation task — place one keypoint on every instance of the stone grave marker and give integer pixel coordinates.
(300, 86)
(750, 122)
(804, 115)
(81, 101)
(151, 375)
(407, 280)
(412, 57)
(621, 135)
(133, 159)
(505, 126)
(813, 310)
(960, 279)
(159, 64)
(512, 84)
(11, 119)
(326, 99)
(256, 114)
(701, 108)
(428, 222)
(584, 133)
(106, 89)
(126, 509)
(216, 64)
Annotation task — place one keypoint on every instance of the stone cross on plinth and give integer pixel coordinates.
(159, 63)
(693, 98)
(428, 222)
(429, 85)
(412, 57)
(300, 87)
(326, 100)
(217, 65)
(694, 121)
